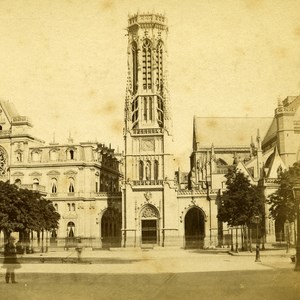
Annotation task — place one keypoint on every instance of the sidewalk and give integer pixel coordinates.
(139, 261)
(268, 252)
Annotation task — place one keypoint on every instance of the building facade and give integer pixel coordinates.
(82, 180)
(139, 200)
(155, 210)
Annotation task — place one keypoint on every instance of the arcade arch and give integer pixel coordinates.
(194, 228)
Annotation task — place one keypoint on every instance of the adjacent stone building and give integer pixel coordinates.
(81, 179)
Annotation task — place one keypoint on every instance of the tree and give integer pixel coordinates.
(24, 210)
(11, 214)
(282, 203)
(241, 202)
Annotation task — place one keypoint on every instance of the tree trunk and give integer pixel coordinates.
(42, 241)
(246, 237)
(250, 238)
(242, 237)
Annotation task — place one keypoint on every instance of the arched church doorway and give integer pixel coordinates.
(111, 223)
(149, 225)
(194, 228)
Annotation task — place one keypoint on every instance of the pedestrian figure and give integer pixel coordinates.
(10, 260)
(79, 249)
(257, 254)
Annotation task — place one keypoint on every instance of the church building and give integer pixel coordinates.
(139, 199)
(154, 209)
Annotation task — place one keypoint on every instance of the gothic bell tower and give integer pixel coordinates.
(149, 170)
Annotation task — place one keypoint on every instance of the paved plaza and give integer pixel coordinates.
(154, 274)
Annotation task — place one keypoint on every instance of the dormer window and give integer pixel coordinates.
(19, 156)
(53, 155)
(71, 185)
(71, 154)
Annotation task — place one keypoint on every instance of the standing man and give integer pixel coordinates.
(10, 260)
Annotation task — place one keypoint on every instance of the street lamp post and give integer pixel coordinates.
(296, 192)
(257, 254)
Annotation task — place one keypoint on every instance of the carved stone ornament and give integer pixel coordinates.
(149, 212)
(147, 145)
(148, 196)
(3, 162)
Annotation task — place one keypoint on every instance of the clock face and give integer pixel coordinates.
(148, 145)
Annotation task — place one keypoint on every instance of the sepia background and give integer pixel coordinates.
(64, 63)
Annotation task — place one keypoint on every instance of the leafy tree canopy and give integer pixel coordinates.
(241, 201)
(22, 209)
(282, 202)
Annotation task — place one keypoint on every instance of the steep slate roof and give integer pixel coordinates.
(226, 131)
(9, 109)
(272, 131)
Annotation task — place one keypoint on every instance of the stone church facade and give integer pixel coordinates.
(155, 210)
(139, 199)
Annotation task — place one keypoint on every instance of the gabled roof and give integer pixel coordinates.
(241, 167)
(227, 131)
(273, 163)
(271, 133)
(9, 109)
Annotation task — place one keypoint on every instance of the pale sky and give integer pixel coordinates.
(64, 63)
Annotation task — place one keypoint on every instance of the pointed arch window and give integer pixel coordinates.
(147, 65)
(159, 66)
(145, 109)
(160, 112)
(155, 169)
(134, 67)
(141, 170)
(135, 112)
(148, 170)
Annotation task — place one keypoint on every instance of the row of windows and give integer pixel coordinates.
(53, 155)
(102, 185)
(145, 170)
(36, 155)
(148, 110)
(71, 185)
(147, 65)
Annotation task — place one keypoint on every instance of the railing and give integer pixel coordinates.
(20, 119)
(108, 194)
(285, 109)
(33, 187)
(147, 131)
(197, 192)
(272, 180)
(147, 182)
